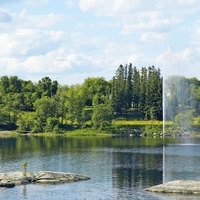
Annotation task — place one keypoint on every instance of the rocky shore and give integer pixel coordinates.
(179, 186)
(11, 179)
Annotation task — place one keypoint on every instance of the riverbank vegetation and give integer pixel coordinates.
(131, 101)
(47, 106)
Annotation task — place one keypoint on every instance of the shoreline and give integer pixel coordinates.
(95, 133)
(6, 133)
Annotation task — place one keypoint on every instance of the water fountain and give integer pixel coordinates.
(181, 159)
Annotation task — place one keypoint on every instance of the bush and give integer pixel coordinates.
(25, 125)
(52, 125)
(184, 120)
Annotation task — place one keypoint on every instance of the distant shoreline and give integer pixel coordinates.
(5, 133)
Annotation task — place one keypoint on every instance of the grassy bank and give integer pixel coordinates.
(118, 127)
(88, 132)
(139, 122)
(5, 134)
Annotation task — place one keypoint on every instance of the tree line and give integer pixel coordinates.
(47, 106)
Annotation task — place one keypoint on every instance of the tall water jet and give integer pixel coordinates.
(181, 105)
(178, 105)
(163, 133)
(163, 105)
(181, 159)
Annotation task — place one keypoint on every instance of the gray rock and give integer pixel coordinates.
(7, 184)
(179, 186)
(57, 177)
(47, 177)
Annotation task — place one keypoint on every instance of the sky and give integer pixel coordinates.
(71, 40)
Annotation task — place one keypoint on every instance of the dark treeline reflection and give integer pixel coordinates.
(17, 146)
(12, 147)
(137, 169)
(133, 162)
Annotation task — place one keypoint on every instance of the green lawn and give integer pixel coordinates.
(87, 132)
(140, 122)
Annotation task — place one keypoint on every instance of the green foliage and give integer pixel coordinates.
(93, 86)
(132, 94)
(87, 113)
(47, 87)
(75, 104)
(46, 114)
(61, 101)
(184, 120)
(196, 120)
(141, 90)
(153, 129)
(119, 100)
(102, 116)
(52, 125)
(88, 132)
(26, 125)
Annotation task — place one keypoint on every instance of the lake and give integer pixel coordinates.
(119, 168)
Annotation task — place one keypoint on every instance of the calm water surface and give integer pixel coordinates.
(120, 168)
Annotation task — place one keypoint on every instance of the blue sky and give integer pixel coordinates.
(70, 40)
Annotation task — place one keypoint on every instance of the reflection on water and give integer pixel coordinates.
(136, 170)
(182, 161)
(120, 168)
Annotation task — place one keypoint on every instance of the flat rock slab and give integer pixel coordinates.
(179, 186)
(10, 179)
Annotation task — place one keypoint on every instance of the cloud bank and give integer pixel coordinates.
(71, 40)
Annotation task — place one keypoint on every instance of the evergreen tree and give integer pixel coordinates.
(119, 88)
(154, 94)
(136, 87)
(129, 86)
(143, 92)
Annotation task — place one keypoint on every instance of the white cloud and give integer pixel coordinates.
(188, 3)
(135, 58)
(86, 5)
(54, 62)
(9, 66)
(153, 24)
(23, 20)
(70, 3)
(173, 58)
(142, 15)
(24, 42)
(130, 6)
(100, 35)
(37, 21)
(113, 7)
(177, 63)
(152, 36)
(40, 64)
